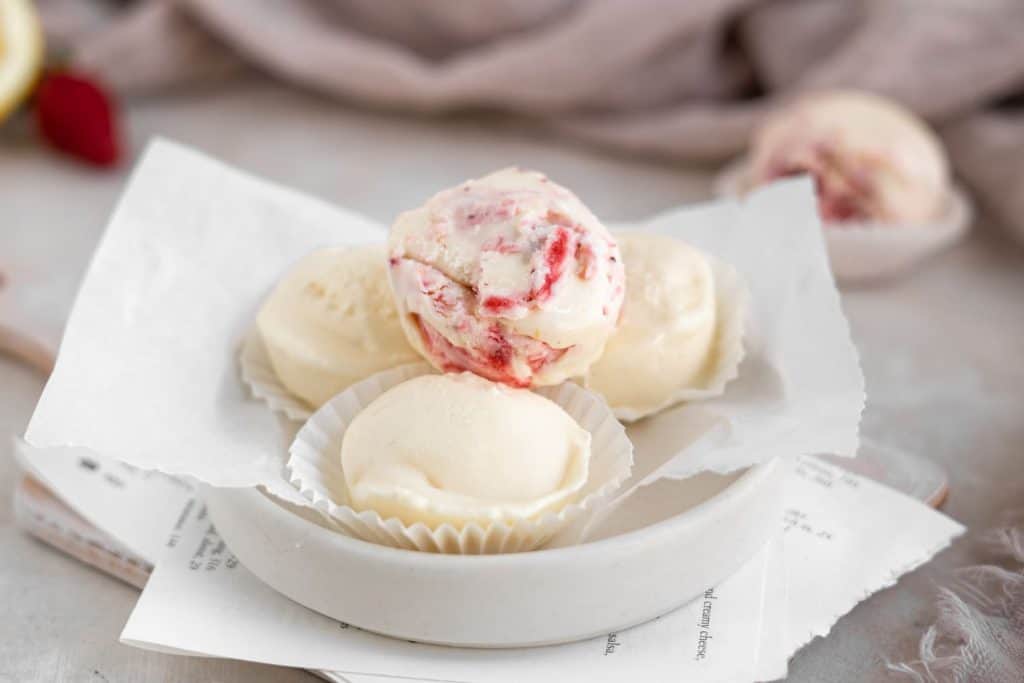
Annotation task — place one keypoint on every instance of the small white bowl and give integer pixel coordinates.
(862, 253)
(669, 543)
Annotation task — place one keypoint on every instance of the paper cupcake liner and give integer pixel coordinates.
(732, 302)
(258, 373)
(863, 252)
(314, 468)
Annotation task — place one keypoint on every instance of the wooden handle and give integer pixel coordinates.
(24, 335)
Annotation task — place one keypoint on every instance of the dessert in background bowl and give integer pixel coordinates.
(880, 173)
(510, 277)
(871, 159)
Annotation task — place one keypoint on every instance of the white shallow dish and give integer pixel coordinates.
(666, 545)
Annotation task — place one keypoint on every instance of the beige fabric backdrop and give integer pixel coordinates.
(679, 80)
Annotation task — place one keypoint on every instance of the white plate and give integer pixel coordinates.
(667, 544)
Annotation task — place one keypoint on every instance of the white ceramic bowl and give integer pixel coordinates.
(668, 543)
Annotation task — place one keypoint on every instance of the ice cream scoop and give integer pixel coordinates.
(458, 448)
(871, 159)
(666, 336)
(331, 321)
(509, 276)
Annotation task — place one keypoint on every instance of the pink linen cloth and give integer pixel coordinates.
(665, 78)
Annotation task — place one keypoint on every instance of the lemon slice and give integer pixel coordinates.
(21, 52)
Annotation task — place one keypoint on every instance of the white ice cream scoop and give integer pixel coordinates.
(665, 340)
(331, 321)
(458, 448)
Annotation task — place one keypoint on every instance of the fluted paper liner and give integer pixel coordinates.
(259, 374)
(862, 252)
(732, 300)
(314, 468)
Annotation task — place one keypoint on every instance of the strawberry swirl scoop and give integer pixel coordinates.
(510, 277)
(871, 160)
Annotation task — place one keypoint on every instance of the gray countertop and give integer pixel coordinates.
(941, 349)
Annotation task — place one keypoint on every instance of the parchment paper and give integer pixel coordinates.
(147, 372)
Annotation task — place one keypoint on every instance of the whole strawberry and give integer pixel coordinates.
(77, 116)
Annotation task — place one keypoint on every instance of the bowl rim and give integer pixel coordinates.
(749, 480)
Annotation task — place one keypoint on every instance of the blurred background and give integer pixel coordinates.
(636, 106)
